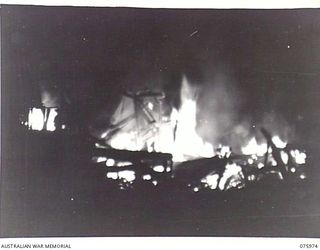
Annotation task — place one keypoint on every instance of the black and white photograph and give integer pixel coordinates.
(127, 121)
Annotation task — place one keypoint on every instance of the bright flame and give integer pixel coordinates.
(253, 148)
(177, 136)
(42, 119)
(125, 141)
(50, 122)
(36, 119)
(284, 157)
(278, 142)
(187, 144)
(300, 157)
(233, 171)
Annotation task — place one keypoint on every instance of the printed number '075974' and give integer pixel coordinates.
(308, 246)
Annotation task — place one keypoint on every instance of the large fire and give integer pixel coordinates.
(139, 124)
(187, 144)
(175, 134)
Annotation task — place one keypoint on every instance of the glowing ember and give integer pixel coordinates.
(100, 159)
(110, 162)
(196, 189)
(146, 177)
(303, 176)
(273, 162)
(150, 105)
(251, 177)
(112, 175)
(211, 180)
(128, 175)
(300, 157)
(158, 168)
(123, 163)
(284, 157)
(250, 161)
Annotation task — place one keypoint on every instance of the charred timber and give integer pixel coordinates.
(136, 157)
(192, 171)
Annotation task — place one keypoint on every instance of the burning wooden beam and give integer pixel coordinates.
(136, 157)
(275, 152)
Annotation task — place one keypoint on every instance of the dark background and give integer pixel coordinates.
(252, 66)
(266, 60)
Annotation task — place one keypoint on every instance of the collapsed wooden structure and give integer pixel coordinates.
(191, 173)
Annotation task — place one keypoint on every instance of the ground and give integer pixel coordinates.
(50, 188)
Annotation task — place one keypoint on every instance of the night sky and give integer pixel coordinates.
(252, 64)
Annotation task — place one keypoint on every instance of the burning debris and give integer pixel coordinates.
(45, 114)
(222, 172)
(144, 143)
(42, 119)
(140, 122)
(148, 140)
(127, 166)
